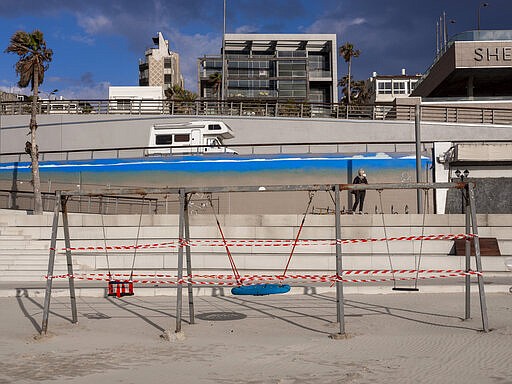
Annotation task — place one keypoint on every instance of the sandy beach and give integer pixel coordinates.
(403, 337)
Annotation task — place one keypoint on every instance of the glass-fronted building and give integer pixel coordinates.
(296, 67)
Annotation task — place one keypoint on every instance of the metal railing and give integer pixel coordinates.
(254, 108)
(107, 205)
(241, 149)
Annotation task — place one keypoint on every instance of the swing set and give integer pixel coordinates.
(120, 287)
(260, 289)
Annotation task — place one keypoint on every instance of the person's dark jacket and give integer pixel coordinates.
(359, 180)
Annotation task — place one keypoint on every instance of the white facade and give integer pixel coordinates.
(128, 99)
(135, 93)
(386, 88)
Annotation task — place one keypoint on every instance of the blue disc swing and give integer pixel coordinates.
(260, 289)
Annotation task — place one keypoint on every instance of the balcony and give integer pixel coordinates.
(320, 74)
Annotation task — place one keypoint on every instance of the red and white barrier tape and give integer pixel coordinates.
(230, 280)
(264, 243)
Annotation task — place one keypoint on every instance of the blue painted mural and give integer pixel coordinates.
(222, 170)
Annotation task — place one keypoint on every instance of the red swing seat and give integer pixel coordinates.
(120, 288)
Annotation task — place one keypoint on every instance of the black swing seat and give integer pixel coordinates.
(261, 289)
(120, 288)
(405, 289)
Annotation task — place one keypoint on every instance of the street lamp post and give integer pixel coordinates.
(223, 83)
(52, 93)
(482, 5)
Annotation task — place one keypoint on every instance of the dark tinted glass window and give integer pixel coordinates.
(163, 139)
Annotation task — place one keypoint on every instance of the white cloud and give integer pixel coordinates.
(86, 92)
(84, 39)
(247, 29)
(94, 24)
(330, 25)
(190, 48)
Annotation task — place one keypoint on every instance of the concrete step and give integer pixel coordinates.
(20, 244)
(27, 263)
(9, 237)
(23, 276)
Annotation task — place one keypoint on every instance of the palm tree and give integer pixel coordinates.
(359, 93)
(31, 66)
(215, 79)
(176, 93)
(347, 51)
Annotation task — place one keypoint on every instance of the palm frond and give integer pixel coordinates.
(34, 56)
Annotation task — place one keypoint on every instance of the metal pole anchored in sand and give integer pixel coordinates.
(467, 314)
(69, 260)
(478, 259)
(186, 222)
(340, 311)
(179, 298)
(51, 264)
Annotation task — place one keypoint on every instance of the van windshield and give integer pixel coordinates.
(214, 142)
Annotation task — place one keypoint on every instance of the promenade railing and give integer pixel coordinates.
(258, 108)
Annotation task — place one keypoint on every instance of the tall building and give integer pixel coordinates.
(299, 67)
(161, 66)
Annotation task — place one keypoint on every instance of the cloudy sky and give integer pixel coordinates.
(97, 43)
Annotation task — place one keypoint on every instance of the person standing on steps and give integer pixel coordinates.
(359, 195)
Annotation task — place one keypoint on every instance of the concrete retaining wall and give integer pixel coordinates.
(66, 132)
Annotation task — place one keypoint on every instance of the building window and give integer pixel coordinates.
(292, 69)
(292, 88)
(298, 53)
(319, 65)
(399, 87)
(167, 62)
(384, 87)
(414, 83)
(167, 79)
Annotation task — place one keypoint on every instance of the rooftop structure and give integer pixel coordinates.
(161, 66)
(387, 88)
(301, 67)
(8, 96)
(475, 64)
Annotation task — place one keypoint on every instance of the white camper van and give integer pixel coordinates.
(200, 137)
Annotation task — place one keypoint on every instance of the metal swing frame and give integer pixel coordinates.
(185, 195)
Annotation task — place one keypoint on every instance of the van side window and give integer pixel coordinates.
(214, 127)
(182, 138)
(163, 139)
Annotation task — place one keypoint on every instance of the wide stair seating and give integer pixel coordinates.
(25, 240)
(24, 247)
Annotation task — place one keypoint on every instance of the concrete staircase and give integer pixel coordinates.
(23, 252)
(25, 240)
